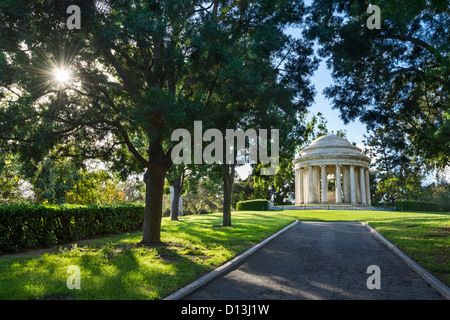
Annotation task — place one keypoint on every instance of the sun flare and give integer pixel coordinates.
(61, 75)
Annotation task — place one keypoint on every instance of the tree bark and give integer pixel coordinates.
(154, 186)
(174, 206)
(228, 179)
(154, 190)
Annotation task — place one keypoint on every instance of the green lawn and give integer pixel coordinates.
(115, 268)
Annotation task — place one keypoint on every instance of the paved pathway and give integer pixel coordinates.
(319, 260)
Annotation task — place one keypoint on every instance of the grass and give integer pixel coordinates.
(116, 268)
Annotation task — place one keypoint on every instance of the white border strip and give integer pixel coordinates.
(433, 281)
(216, 272)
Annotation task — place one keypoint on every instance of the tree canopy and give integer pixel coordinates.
(116, 88)
(395, 77)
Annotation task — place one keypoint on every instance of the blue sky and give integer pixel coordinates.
(322, 79)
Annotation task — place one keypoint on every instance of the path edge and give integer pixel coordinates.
(186, 290)
(432, 280)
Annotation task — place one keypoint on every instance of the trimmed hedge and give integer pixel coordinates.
(253, 205)
(33, 226)
(414, 205)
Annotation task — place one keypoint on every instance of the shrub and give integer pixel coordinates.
(414, 205)
(31, 226)
(166, 212)
(253, 205)
(203, 211)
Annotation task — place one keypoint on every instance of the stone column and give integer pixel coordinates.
(352, 185)
(346, 174)
(367, 188)
(297, 187)
(338, 184)
(362, 183)
(300, 184)
(357, 185)
(305, 185)
(310, 185)
(324, 183)
(316, 185)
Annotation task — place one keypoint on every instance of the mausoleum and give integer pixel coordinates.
(332, 170)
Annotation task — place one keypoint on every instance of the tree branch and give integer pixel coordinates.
(130, 146)
(128, 83)
(416, 41)
(414, 69)
(84, 155)
(211, 89)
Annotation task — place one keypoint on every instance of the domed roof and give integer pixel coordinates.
(330, 145)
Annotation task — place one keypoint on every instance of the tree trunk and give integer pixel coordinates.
(174, 206)
(154, 190)
(76, 194)
(228, 179)
(154, 186)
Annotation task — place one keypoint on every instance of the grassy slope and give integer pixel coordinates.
(115, 268)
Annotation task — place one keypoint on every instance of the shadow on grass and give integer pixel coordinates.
(140, 272)
(112, 272)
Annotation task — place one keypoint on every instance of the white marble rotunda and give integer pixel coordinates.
(332, 170)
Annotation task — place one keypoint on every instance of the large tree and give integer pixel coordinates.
(270, 97)
(93, 91)
(121, 84)
(395, 77)
(397, 173)
(261, 81)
